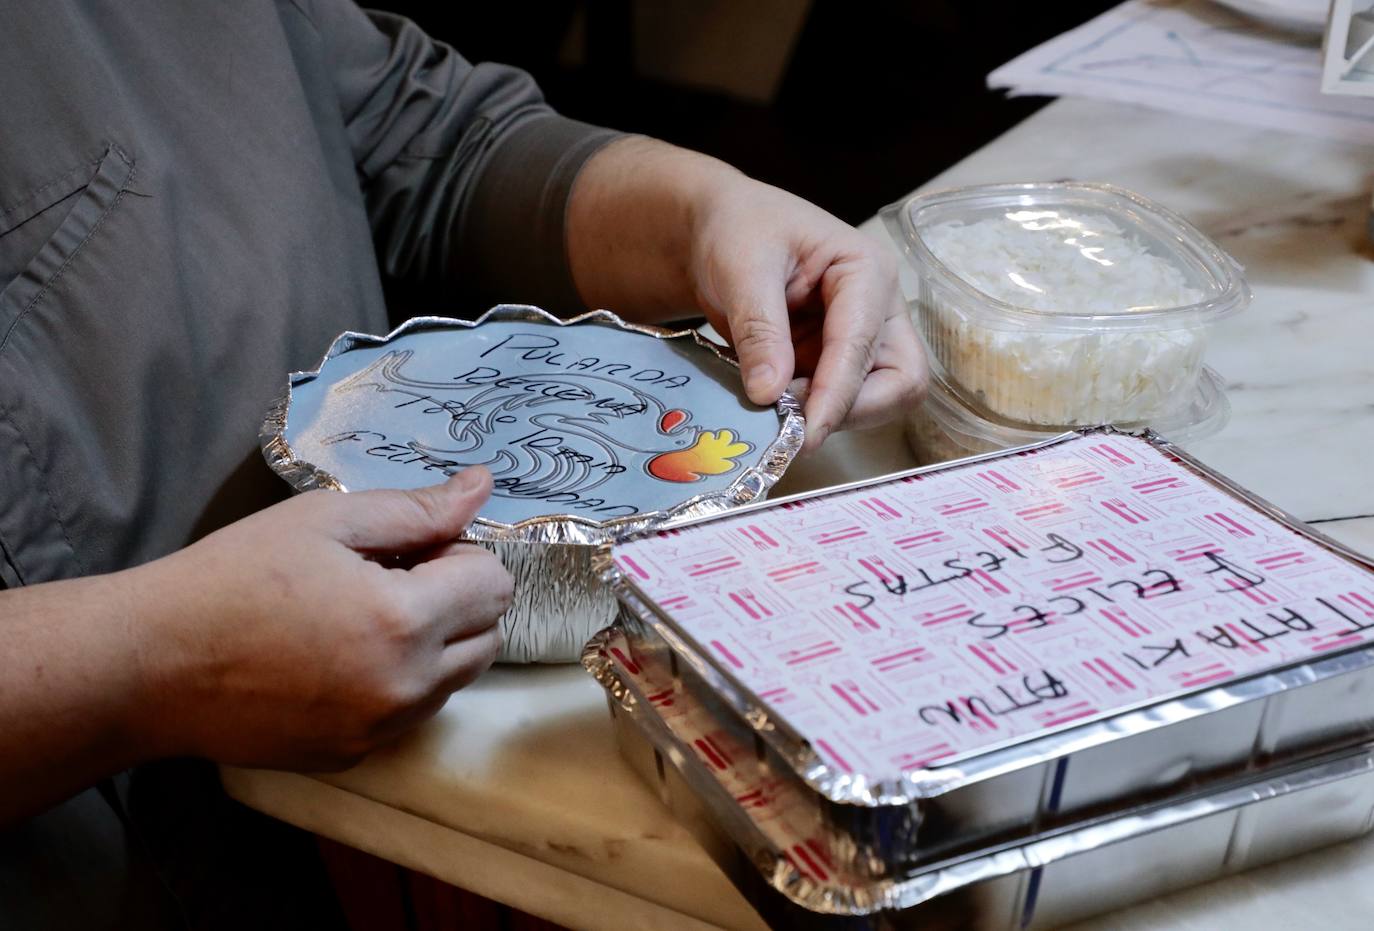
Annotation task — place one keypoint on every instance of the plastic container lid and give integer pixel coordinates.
(1064, 304)
(1060, 234)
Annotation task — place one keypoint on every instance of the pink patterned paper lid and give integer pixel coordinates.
(918, 622)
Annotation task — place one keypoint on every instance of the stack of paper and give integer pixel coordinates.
(1194, 57)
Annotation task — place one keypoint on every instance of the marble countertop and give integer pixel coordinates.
(515, 790)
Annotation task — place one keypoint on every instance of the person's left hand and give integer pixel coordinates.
(655, 232)
(801, 295)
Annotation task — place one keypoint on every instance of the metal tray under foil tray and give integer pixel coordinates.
(1227, 679)
(765, 838)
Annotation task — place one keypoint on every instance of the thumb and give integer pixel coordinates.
(755, 311)
(400, 521)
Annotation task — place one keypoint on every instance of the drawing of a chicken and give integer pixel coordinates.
(712, 453)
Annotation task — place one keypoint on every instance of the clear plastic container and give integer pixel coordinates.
(1064, 304)
(944, 428)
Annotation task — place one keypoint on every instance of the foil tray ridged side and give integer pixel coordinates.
(560, 601)
(1022, 788)
(1043, 881)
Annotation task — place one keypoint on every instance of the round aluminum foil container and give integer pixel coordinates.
(594, 430)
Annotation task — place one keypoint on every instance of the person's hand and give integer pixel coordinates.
(800, 294)
(655, 233)
(310, 633)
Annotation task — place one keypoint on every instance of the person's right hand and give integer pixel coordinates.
(308, 634)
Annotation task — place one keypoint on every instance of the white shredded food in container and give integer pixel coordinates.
(1048, 260)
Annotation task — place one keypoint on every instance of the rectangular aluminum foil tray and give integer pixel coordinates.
(983, 650)
(764, 835)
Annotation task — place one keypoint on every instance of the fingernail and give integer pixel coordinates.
(760, 377)
(817, 434)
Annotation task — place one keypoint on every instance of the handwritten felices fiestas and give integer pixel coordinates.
(586, 419)
(919, 620)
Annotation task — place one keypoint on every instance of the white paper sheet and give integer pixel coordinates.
(1192, 56)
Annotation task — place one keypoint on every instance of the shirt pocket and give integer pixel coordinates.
(36, 536)
(42, 232)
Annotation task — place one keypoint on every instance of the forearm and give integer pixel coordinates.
(70, 693)
(630, 225)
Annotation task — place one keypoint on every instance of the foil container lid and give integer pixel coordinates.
(1300, 564)
(594, 429)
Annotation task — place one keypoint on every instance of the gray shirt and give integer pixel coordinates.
(196, 196)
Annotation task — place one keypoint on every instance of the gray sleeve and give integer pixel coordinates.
(466, 171)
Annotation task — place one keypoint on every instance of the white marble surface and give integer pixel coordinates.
(1294, 211)
(1356, 533)
(515, 790)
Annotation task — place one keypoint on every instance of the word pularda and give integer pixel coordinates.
(535, 347)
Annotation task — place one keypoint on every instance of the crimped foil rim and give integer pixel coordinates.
(914, 787)
(566, 529)
(943, 877)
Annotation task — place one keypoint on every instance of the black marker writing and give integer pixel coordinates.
(1232, 576)
(1059, 544)
(1034, 689)
(1157, 655)
(1245, 632)
(537, 347)
(610, 468)
(1034, 619)
(1356, 627)
(517, 488)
